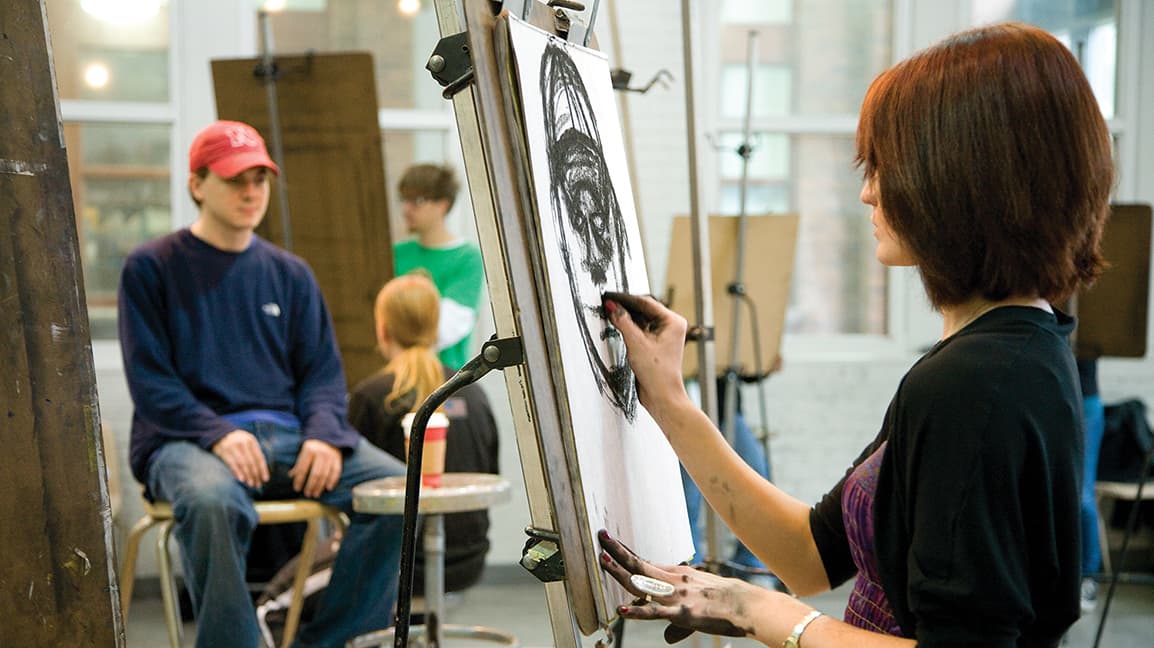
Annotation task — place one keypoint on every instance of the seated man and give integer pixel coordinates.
(239, 395)
(406, 315)
(428, 192)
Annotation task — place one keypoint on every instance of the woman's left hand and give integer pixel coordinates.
(700, 600)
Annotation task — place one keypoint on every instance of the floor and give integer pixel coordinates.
(515, 603)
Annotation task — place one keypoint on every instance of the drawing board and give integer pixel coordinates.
(1112, 313)
(770, 241)
(587, 241)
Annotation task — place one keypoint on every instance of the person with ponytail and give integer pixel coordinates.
(406, 315)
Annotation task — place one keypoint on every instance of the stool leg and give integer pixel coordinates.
(168, 584)
(128, 568)
(304, 569)
(1103, 537)
(434, 575)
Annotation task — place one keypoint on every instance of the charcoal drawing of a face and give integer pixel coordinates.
(591, 233)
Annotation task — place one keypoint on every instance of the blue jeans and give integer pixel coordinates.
(751, 450)
(1095, 417)
(214, 524)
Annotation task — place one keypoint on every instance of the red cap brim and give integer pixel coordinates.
(234, 165)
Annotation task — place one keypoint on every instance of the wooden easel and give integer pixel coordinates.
(501, 195)
(60, 586)
(490, 121)
(498, 204)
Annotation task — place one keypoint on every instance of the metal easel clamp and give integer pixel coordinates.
(699, 334)
(541, 555)
(451, 63)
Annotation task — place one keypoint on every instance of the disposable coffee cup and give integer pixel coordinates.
(433, 455)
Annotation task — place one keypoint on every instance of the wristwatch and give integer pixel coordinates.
(794, 639)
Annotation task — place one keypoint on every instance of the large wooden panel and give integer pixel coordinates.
(1112, 313)
(335, 175)
(767, 270)
(57, 580)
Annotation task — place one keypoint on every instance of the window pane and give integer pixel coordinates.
(403, 148)
(110, 50)
(1088, 27)
(838, 285)
(814, 59)
(771, 90)
(400, 43)
(760, 198)
(756, 11)
(822, 59)
(769, 158)
(120, 185)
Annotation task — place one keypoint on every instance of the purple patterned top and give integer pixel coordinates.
(868, 607)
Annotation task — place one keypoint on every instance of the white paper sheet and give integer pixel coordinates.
(591, 244)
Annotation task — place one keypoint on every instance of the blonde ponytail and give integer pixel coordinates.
(409, 309)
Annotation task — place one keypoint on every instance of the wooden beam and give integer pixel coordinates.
(57, 580)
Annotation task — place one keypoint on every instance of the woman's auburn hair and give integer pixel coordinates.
(993, 165)
(409, 309)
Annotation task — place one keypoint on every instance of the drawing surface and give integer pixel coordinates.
(590, 243)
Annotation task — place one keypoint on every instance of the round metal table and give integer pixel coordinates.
(458, 492)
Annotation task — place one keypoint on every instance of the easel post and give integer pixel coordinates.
(702, 279)
(268, 70)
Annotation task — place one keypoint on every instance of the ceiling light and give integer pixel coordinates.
(96, 75)
(409, 7)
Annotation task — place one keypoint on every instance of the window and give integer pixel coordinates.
(1088, 27)
(111, 61)
(110, 50)
(130, 105)
(813, 63)
(120, 184)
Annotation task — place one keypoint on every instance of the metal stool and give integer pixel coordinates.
(457, 493)
(159, 514)
(1107, 493)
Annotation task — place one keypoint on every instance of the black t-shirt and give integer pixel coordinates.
(977, 504)
(471, 446)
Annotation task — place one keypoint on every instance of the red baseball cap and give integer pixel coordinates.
(229, 148)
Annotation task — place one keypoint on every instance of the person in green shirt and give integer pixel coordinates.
(428, 192)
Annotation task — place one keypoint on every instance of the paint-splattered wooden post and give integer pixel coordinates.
(57, 581)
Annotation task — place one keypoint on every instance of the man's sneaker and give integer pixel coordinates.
(1089, 596)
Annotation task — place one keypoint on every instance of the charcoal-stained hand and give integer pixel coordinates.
(700, 600)
(655, 339)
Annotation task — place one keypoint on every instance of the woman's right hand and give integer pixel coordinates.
(655, 342)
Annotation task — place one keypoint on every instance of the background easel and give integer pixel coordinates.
(324, 114)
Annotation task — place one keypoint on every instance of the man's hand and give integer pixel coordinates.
(240, 451)
(318, 468)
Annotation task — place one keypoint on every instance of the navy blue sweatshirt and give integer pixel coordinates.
(207, 333)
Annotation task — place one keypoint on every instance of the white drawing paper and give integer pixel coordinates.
(591, 244)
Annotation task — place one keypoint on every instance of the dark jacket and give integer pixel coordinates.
(977, 505)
